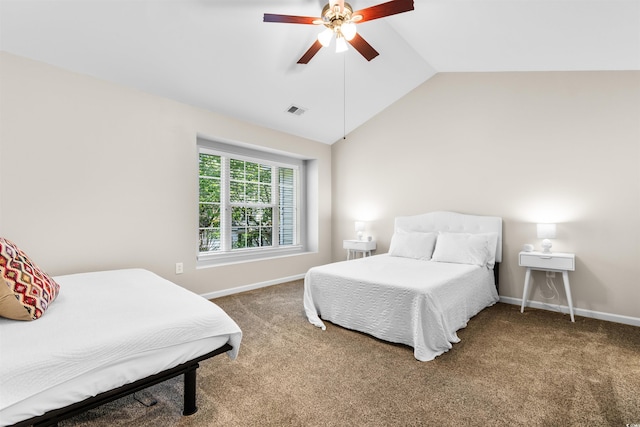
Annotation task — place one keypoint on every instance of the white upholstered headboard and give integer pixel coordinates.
(454, 223)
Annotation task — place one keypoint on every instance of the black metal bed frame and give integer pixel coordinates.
(52, 417)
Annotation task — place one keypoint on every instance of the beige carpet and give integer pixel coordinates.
(510, 369)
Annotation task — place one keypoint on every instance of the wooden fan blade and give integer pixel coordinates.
(363, 47)
(288, 19)
(385, 9)
(310, 53)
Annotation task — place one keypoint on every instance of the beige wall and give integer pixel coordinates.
(97, 176)
(530, 147)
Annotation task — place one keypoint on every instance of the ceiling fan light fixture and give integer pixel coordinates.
(339, 18)
(325, 37)
(341, 44)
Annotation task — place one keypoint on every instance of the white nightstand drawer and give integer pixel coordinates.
(552, 261)
(359, 245)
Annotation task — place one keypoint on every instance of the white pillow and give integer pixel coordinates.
(466, 248)
(492, 246)
(413, 245)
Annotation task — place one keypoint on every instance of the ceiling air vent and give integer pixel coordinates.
(295, 110)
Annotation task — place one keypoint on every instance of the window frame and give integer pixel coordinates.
(243, 152)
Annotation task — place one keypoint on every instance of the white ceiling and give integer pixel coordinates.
(219, 55)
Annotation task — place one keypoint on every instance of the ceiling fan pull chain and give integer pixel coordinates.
(344, 97)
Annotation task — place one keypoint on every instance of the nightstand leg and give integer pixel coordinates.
(525, 294)
(567, 290)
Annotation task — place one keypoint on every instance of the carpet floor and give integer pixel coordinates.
(510, 369)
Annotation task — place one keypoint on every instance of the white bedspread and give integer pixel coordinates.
(99, 321)
(418, 303)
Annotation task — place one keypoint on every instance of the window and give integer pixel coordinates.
(249, 205)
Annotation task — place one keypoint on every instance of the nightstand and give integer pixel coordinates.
(556, 261)
(354, 247)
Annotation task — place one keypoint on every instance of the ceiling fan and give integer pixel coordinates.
(339, 19)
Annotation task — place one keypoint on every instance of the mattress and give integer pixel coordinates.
(418, 303)
(104, 330)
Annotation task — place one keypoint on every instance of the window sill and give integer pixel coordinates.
(249, 255)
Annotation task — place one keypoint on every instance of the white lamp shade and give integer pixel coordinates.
(325, 37)
(546, 231)
(359, 226)
(341, 44)
(348, 30)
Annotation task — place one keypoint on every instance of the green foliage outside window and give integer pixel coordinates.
(252, 205)
(210, 169)
(250, 185)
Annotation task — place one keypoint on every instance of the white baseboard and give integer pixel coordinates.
(617, 318)
(225, 292)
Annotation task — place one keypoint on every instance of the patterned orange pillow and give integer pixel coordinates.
(32, 288)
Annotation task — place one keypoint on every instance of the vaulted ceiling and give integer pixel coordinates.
(220, 55)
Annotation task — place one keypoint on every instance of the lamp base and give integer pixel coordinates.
(546, 246)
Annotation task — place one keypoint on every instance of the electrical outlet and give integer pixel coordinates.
(551, 274)
(179, 268)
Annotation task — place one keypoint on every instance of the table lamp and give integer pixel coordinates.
(546, 232)
(359, 229)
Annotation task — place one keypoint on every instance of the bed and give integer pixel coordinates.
(108, 334)
(441, 270)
